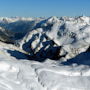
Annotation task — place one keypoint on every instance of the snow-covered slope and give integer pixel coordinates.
(22, 74)
(45, 54)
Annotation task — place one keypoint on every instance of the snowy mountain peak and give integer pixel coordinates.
(53, 19)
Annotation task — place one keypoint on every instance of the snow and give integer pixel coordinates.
(32, 75)
(52, 54)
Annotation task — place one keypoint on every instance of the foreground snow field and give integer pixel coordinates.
(45, 54)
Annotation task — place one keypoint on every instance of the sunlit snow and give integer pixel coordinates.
(45, 53)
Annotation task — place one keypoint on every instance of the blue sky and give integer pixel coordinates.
(38, 8)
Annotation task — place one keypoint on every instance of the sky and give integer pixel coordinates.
(44, 8)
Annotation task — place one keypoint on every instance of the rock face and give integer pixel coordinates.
(70, 34)
(4, 36)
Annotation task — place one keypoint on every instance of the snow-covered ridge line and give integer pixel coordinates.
(36, 35)
(14, 19)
